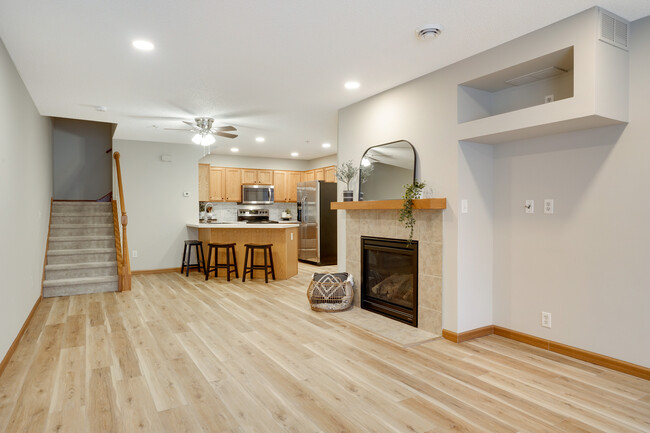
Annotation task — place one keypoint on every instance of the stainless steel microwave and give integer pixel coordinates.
(257, 194)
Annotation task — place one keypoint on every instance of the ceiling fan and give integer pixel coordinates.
(205, 132)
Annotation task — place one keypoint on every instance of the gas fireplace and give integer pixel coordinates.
(389, 278)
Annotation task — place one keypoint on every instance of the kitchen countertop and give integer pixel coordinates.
(243, 225)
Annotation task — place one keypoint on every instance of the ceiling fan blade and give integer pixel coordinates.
(225, 134)
(179, 129)
(192, 124)
(225, 128)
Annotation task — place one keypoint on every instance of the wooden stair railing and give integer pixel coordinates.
(123, 262)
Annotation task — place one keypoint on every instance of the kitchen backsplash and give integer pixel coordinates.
(225, 211)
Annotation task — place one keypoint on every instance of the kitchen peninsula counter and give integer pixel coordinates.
(284, 238)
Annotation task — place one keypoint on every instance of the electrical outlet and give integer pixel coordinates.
(549, 98)
(548, 205)
(546, 319)
(135, 253)
(463, 206)
(530, 206)
(291, 236)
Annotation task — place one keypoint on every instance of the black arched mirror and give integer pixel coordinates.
(385, 169)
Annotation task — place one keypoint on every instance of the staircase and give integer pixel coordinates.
(81, 251)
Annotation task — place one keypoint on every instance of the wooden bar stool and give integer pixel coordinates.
(230, 267)
(250, 248)
(187, 257)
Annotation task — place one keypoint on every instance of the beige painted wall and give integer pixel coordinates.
(498, 264)
(25, 189)
(587, 264)
(157, 210)
(267, 163)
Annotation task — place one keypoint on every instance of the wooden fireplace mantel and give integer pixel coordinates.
(421, 203)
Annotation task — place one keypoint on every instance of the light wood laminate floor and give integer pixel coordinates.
(180, 354)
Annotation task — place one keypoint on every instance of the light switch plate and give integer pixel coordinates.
(463, 206)
(530, 206)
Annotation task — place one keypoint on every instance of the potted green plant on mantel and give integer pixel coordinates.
(413, 191)
(345, 173)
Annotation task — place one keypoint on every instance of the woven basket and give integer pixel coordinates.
(330, 292)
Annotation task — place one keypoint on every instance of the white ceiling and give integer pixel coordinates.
(273, 68)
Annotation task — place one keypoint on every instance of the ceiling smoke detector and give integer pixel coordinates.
(428, 31)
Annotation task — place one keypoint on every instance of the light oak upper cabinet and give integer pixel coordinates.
(233, 183)
(248, 176)
(204, 182)
(293, 177)
(330, 174)
(265, 177)
(309, 175)
(319, 174)
(286, 185)
(217, 184)
(280, 183)
(253, 176)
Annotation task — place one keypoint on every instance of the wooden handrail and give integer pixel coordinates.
(125, 277)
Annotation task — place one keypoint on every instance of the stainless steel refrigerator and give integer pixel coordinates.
(317, 233)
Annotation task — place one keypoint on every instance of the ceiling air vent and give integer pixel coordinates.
(614, 30)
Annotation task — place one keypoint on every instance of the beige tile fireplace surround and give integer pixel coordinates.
(428, 233)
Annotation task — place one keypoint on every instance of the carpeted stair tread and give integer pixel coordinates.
(80, 265)
(80, 251)
(77, 281)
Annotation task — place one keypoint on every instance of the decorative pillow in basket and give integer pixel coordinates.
(331, 292)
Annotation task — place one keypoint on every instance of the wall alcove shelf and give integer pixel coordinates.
(422, 203)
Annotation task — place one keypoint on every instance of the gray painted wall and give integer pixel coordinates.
(25, 190)
(82, 168)
(267, 163)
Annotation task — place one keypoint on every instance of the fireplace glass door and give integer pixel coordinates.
(389, 270)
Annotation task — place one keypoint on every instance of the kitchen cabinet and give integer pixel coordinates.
(233, 177)
(224, 184)
(293, 178)
(265, 177)
(286, 185)
(216, 189)
(204, 182)
(259, 177)
(248, 176)
(330, 174)
(280, 183)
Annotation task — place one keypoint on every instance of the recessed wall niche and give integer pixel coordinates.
(546, 79)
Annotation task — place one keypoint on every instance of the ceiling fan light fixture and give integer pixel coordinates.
(203, 139)
(207, 140)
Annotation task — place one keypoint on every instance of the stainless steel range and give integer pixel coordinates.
(254, 216)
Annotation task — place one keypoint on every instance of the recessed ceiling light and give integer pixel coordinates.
(234, 149)
(294, 154)
(143, 45)
(352, 85)
(326, 145)
(260, 139)
(100, 108)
